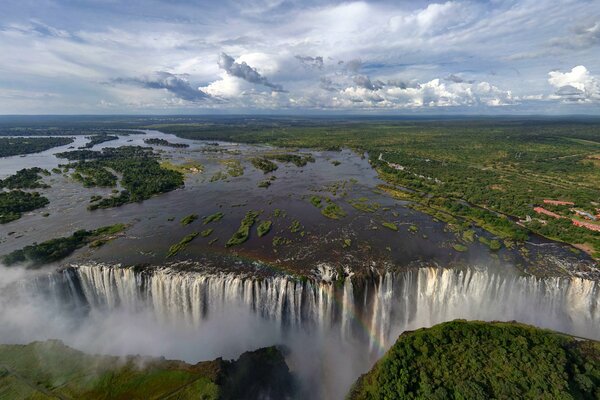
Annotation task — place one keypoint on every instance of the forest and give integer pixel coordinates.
(141, 174)
(18, 146)
(500, 360)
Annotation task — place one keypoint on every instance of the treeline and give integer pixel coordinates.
(17, 146)
(163, 142)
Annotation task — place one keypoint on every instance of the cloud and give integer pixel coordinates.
(313, 62)
(582, 36)
(175, 84)
(365, 82)
(245, 72)
(578, 85)
(434, 93)
(457, 79)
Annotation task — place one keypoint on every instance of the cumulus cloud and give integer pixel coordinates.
(245, 72)
(578, 85)
(175, 84)
(434, 93)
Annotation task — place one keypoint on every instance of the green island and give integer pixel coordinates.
(177, 247)
(332, 210)
(54, 250)
(264, 227)
(14, 203)
(363, 204)
(482, 360)
(297, 160)
(390, 225)
(206, 232)
(98, 139)
(264, 164)
(243, 232)
(494, 173)
(26, 178)
(52, 370)
(142, 175)
(188, 219)
(18, 146)
(166, 143)
(213, 217)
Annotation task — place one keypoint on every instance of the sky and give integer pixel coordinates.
(286, 56)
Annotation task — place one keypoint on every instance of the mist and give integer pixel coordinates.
(333, 334)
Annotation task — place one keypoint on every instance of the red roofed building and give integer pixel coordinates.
(590, 226)
(559, 202)
(541, 210)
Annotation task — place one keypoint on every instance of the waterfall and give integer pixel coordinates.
(375, 309)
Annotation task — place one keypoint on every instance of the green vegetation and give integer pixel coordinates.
(413, 229)
(14, 203)
(316, 201)
(336, 163)
(263, 164)
(346, 244)
(166, 143)
(27, 178)
(333, 211)
(206, 232)
(493, 244)
(51, 370)
(16, 146)
(279, 241)
(363, 204)
(142, 175)
(188, 219)
(91, 175)
(213, 218)
(489, 172)
(98, 139)
(263, 228)
(56, 249)
(243, 232)
(297, 160)
(460, 247)
(264, 184)
(234, 167)
(177, 247)
(188, 167)
(390, 225)
(480, 360)
(295, 227)
(468, 235)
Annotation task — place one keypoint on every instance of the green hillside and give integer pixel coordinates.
(51, 370)
(479, 360)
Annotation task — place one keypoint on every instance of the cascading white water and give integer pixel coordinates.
(375, 309)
